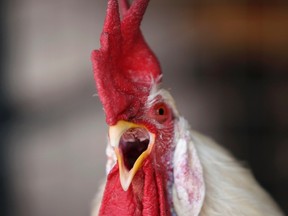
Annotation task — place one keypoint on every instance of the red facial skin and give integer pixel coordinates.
(147, 195)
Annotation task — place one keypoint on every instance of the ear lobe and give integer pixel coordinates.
(189, 186)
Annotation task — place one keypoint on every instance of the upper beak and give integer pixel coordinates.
(115, 136)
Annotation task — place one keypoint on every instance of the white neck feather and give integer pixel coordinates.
(229, 188)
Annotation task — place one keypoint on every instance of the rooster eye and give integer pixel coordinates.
(160, 112)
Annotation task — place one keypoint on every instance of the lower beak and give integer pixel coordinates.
(116, 134)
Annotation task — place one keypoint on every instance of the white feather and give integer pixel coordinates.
(230, 188)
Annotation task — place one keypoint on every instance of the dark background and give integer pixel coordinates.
(225, 62)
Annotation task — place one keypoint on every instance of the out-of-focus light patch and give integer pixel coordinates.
(54, 165)
(50, 46)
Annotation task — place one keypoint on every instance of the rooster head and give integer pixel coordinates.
(140, 117)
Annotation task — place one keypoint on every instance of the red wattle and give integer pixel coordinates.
(146, 195)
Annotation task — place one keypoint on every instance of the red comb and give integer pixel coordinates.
(124, 67)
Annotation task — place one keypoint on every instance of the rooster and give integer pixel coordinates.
(156, 164)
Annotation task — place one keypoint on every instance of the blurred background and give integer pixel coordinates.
(225, 62)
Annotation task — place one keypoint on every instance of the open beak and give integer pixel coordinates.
(132, 144)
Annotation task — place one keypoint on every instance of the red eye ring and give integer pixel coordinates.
(160, 112)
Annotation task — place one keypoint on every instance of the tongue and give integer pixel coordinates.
(145, 196)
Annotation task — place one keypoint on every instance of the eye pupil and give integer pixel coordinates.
(161, 111)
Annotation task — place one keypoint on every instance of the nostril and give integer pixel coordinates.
(132, 144)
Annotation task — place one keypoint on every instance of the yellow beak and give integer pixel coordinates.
(115, 134)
